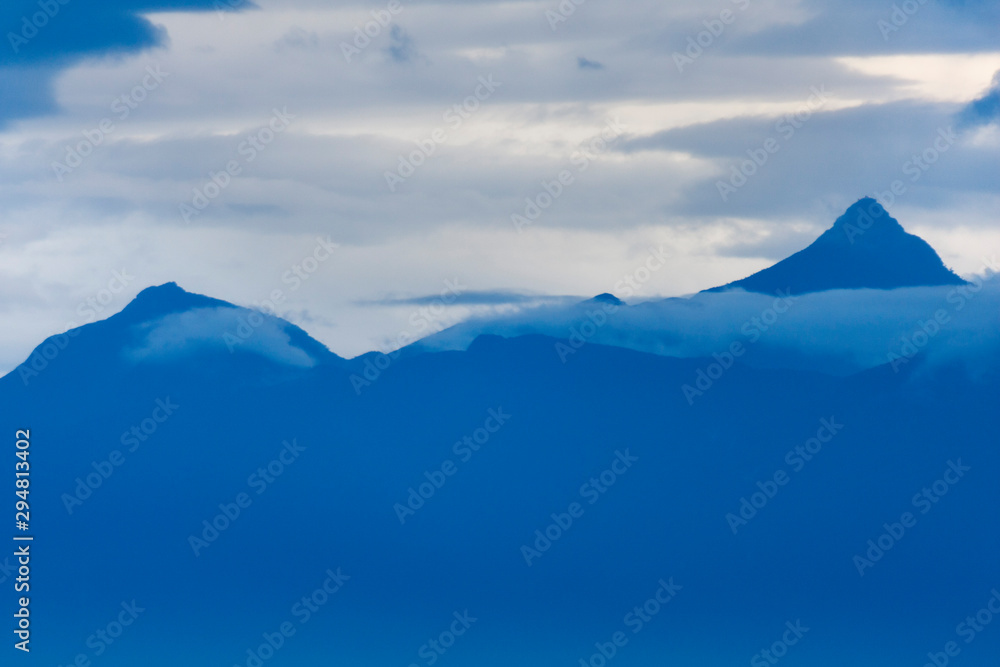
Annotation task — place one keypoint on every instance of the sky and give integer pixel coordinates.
(374, 171)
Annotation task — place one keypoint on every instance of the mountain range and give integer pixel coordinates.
(557, 494)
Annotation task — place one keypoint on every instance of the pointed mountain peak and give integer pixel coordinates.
(866, 221)
(865, 248)
(165, 299)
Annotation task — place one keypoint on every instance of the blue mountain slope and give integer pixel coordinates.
(342, 499)
(866, 247)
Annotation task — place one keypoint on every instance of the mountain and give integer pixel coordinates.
(263, 501)
(865, 248)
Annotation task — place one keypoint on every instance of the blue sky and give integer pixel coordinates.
(412, 146)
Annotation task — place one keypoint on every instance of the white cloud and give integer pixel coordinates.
(216, 329)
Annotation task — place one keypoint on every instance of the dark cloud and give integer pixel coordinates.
(583, 63)
(402, 48)
(984, 110)
(41, 37)
(830, 157)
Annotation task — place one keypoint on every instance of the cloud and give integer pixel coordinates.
(298, 38)
(583, 63)
(839, 332)
(181, 334)
(470, 298)
(402, 48)
(40, 39)
(984, 110)
(823, 155)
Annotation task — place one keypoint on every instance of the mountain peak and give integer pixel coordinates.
(165, 299)
(865, 248)
(606, 298)
(865, 221)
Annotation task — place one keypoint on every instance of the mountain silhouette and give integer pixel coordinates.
(865, 248)
(216, 467)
